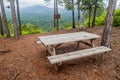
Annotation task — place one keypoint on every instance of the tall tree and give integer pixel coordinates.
(56, 14)
(94, 15)
(73, 16)
(109, 23)
(89, 12)
(14, 19)
(1, 27)
(98, 9)
(18, 15)
(87, 7)
(78, 6)
(4, 19)
(69, 5)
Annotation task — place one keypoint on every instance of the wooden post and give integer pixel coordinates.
(92, 42)
(78, 44)
(54, 51)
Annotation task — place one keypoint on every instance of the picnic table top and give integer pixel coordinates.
(67, 37)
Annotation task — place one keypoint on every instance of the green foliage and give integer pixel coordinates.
(117, 18)
(101, 20)
(26, 28)
(10, 27)
(89, 5)
(87, 22)
(68, 4)
(31, 29)
(54, 29)
(66, 26)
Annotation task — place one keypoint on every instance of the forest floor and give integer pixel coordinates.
(26, 60)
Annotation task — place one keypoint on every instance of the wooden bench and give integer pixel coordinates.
(77, 54)
(53, 41)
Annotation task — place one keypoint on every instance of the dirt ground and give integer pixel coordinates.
(26, 60)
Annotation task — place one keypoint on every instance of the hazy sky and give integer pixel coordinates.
(24, 3)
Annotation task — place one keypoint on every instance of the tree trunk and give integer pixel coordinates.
(73, 18)
(14, 19)
(95, 9)
(4, 18)
(89, 14)
(18, 15)
(109, 23)
(55, 14)
(83, 16)
(1, 27)
(78, 14)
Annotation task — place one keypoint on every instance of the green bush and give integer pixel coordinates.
(117, 18)
(31, 29)
(26, 28)
(98, 22)
(101, 20)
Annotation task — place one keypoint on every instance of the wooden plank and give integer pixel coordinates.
(77, 54)
(86, 43)
(50, 50)
(38, 42)
(69, 37)
(92, 42)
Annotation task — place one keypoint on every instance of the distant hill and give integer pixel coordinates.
(36, 9)
(43, 16)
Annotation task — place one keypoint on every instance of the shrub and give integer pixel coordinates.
(117, 18)
(31, 29)
(101, 20)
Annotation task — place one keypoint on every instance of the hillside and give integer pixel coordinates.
(43, 16)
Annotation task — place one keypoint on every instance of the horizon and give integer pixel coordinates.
(26, 3)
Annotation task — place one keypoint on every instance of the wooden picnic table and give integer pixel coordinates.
(53, 41)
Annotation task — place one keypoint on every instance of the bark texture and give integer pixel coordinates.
(78, 13)
(94, 17)
(14, 19)
(73, 18)
(109, 24)
(56, 14)
(4, 19)
(18, 15)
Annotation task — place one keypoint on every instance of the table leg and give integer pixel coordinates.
(78, 44)
(52, 51)
(92, 42)
(46, 52)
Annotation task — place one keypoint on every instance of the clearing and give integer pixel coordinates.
(26, 60)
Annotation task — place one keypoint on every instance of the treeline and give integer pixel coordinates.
(90, 10)
(100, 21)
(87, 9)
(4, 29)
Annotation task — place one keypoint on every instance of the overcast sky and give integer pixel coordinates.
(24, 3)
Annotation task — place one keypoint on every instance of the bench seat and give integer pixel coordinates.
(77, 54)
